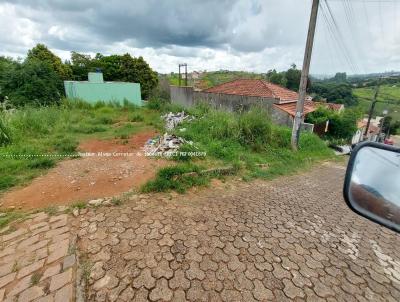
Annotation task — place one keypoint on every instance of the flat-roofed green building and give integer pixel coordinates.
(96, 89)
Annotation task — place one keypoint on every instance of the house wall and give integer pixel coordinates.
(281, 117)
(107, 91)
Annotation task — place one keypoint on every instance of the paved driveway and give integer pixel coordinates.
(289, 239)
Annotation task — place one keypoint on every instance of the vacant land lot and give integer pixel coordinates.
(42, 162)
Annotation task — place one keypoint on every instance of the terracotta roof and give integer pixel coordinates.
(254, 87)
(333, 106)
(371, 128)
(309, 106)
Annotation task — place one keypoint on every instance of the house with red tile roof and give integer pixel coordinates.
(284, 107)
(256, 88)
(241, 94)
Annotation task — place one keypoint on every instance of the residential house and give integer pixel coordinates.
(373, 131)
(241, 94)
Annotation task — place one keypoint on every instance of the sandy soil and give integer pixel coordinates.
(89, 177)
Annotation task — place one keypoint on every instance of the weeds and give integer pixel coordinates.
(10, 216)
(247, 141)
(137, 117)
(31, 136)
(35, 278)
(178, 178)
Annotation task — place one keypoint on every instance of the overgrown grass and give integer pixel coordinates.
(33, 139)
(179, 178)
(9, 216)
(248, 141)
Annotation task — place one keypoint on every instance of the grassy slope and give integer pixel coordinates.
(247, 142)
(58, 131)
(218, 77)
(386, 93)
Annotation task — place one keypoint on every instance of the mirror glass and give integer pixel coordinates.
(375, 185)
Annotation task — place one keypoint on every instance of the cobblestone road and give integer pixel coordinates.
(37, 260)
(289, 239)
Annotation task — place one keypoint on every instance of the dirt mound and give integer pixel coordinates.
(109, 168)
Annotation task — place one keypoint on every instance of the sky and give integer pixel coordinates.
(249, 35)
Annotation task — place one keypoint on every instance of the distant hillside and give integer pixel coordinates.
(212, 78)
(389, 93)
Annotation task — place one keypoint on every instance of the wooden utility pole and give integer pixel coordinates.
(298, 119)
(186, 76)
(371, 110)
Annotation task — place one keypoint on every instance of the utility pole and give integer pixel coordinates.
(186, 77)
(179, 76)
(371, 110)
(304, 76)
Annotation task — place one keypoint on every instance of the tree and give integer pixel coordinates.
(340, 93)
(123, 68)
(137, 70)
(340, 77)
(81, 64)
(6, 65)
(275, 77)
(33, 82)
(342, 125)
(42, 53)
(293, 76)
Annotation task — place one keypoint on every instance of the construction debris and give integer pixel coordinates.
(174, 119)
(164, 144)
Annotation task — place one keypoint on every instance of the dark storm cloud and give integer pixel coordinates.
(254, 35)
(148, 23)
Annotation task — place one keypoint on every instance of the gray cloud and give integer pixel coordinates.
(254, 35)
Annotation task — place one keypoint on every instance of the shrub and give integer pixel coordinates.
(281, 137)
(33, 83)
(255, 128)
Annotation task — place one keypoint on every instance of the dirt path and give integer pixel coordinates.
(89, 177)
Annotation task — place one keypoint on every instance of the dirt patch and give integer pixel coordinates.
(115, 166)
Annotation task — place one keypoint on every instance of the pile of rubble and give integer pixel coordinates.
(167, 144)
(174, 119)
(164, 144)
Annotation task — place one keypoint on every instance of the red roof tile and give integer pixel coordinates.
(290, 107)
(254, 87)
(309, 106)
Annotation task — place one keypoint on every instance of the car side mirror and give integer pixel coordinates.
(372, 183)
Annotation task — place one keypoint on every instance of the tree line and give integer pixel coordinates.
(334, 90)
(38, 79)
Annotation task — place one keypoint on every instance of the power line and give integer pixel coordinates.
(337, 35)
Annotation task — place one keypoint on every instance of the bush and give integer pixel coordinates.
(32, 83)
(255, 129)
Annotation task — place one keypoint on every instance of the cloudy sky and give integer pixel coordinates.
(252, 35)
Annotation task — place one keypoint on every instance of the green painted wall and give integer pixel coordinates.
(96, 90)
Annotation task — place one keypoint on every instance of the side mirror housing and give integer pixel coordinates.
(372, 183)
